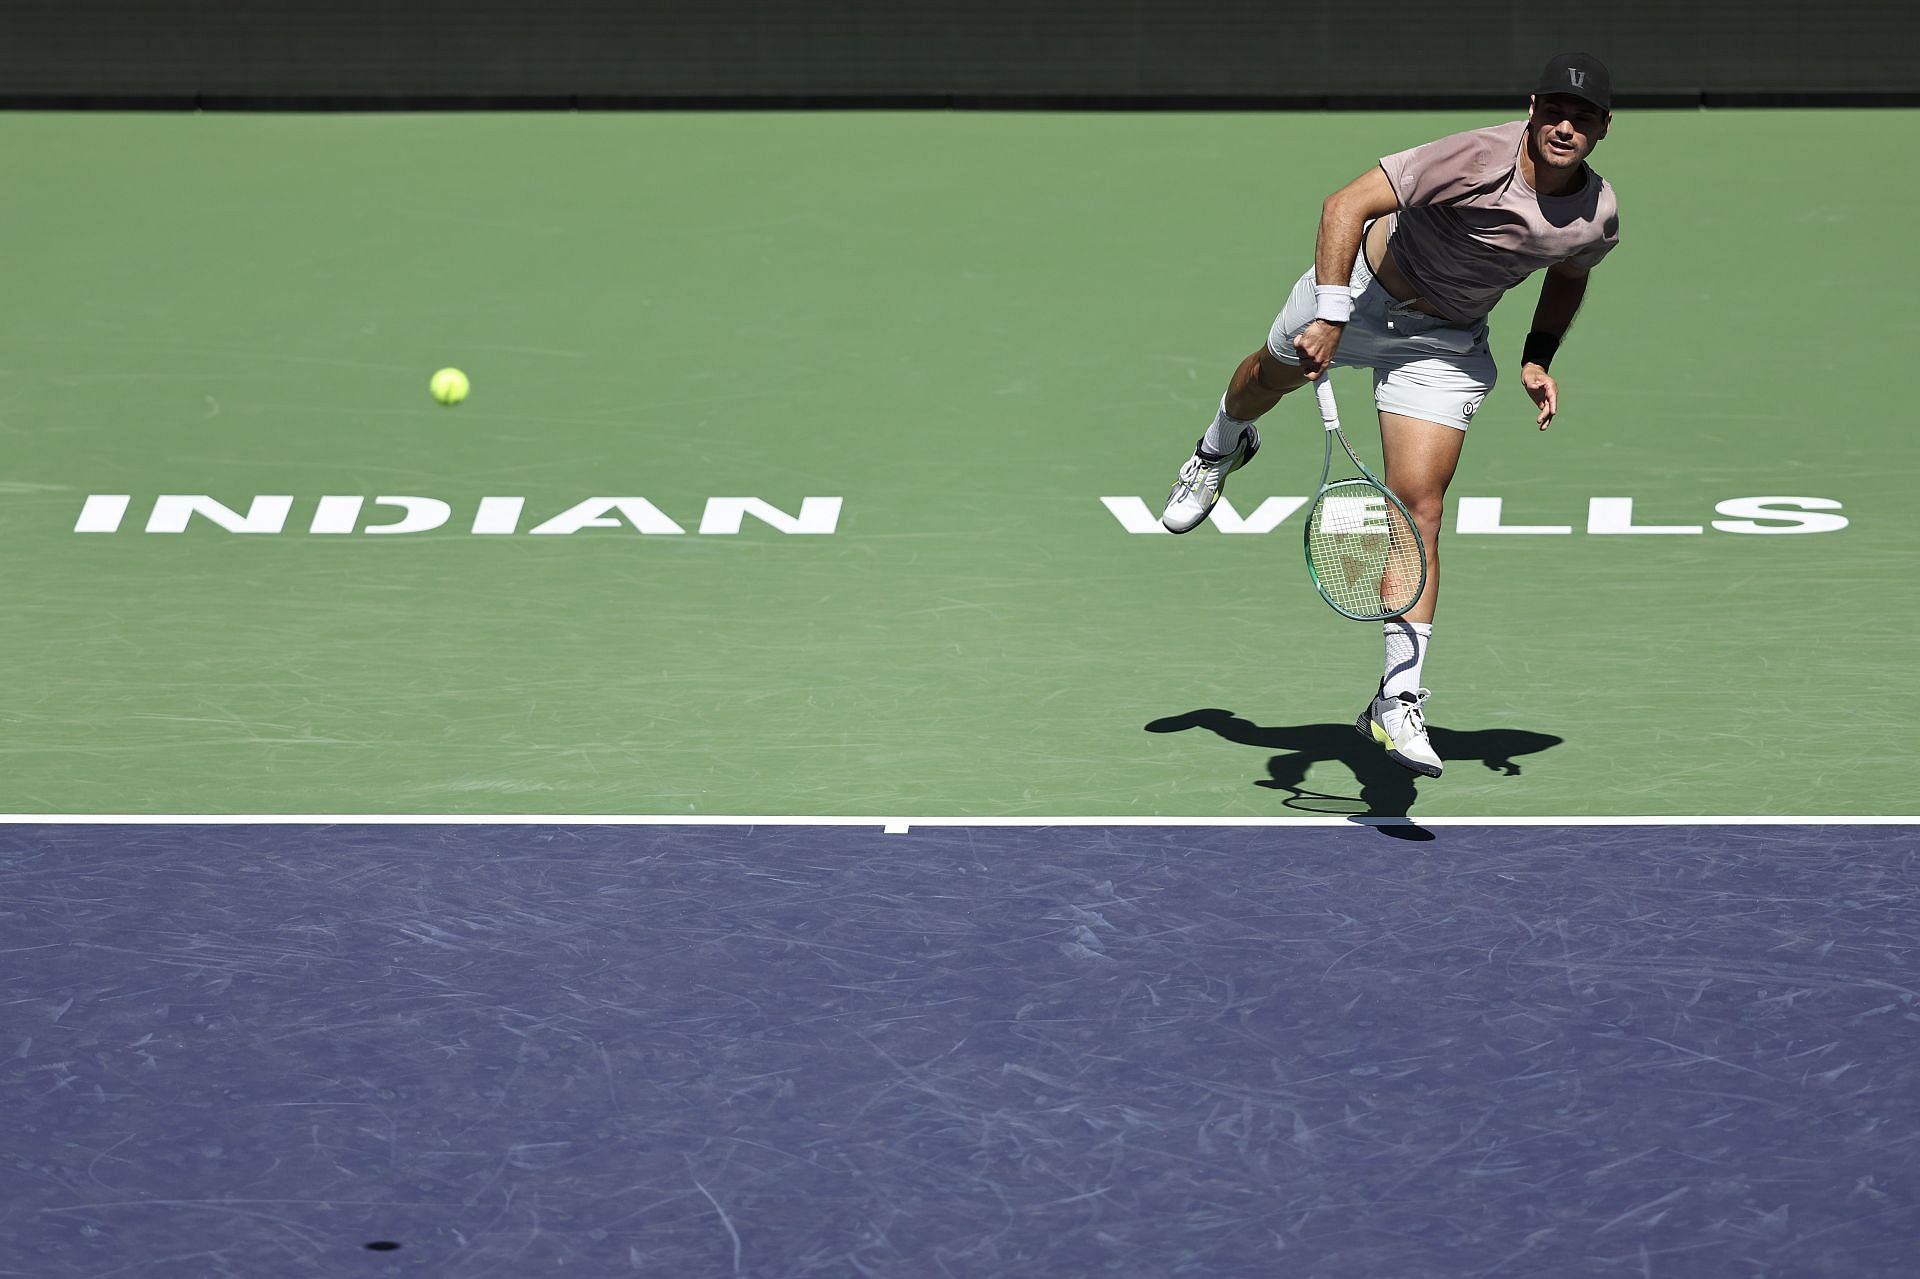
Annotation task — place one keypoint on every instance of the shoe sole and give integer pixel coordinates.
(1374, 733)
(1253, 446)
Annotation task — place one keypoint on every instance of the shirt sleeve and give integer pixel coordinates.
(1451, 167)
(1589, 255)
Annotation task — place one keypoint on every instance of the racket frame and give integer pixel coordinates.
(1330, 417)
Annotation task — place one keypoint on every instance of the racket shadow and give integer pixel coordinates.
(1387, 791)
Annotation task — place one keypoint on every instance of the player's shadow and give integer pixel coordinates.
(1387, 791)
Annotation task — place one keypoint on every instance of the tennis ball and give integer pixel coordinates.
(449, 386)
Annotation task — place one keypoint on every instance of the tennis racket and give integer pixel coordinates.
(1365, 555)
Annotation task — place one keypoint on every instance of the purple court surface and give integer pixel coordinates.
(1318, 1052)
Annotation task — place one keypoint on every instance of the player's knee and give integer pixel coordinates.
(1274, 373)
(1426, 508)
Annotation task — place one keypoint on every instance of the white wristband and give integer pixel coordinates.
(1335, 302)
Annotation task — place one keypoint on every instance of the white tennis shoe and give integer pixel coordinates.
(1201, 480)
(1400, 725)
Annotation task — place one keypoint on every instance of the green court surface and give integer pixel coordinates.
(970, 329)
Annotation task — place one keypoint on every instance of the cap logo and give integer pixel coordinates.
(1578, 77)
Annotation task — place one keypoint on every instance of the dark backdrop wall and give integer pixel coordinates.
(589, 52)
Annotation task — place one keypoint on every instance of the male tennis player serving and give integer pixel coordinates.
(1411, 257)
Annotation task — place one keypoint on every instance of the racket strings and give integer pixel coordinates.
(1364, 551)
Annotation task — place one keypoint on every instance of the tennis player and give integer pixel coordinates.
(1412, 255)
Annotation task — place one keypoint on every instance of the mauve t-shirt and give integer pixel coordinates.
(1470, 227)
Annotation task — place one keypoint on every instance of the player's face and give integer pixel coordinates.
(1566, 129)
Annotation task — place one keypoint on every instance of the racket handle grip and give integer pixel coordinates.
(1323, 392)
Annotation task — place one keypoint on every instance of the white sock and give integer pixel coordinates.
(1406, 651)
(1223, 436)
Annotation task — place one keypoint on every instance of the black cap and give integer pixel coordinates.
(1579, 75)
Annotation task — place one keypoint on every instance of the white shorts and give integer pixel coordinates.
(1423, 366)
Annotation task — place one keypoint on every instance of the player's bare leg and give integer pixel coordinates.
(1421, 458)
(1231, 441)
(1257, 385)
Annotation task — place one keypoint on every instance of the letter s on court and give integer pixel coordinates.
(1799, 520)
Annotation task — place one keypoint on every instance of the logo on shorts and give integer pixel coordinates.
(1473, 406)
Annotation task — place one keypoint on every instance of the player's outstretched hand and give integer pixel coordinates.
(1316, 345)
(1544, 390)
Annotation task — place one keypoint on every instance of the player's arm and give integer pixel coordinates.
(1343, 217)
(1561, 290)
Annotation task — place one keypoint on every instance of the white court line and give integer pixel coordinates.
(890, 825)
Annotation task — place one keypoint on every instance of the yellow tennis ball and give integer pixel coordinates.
(450, 386)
